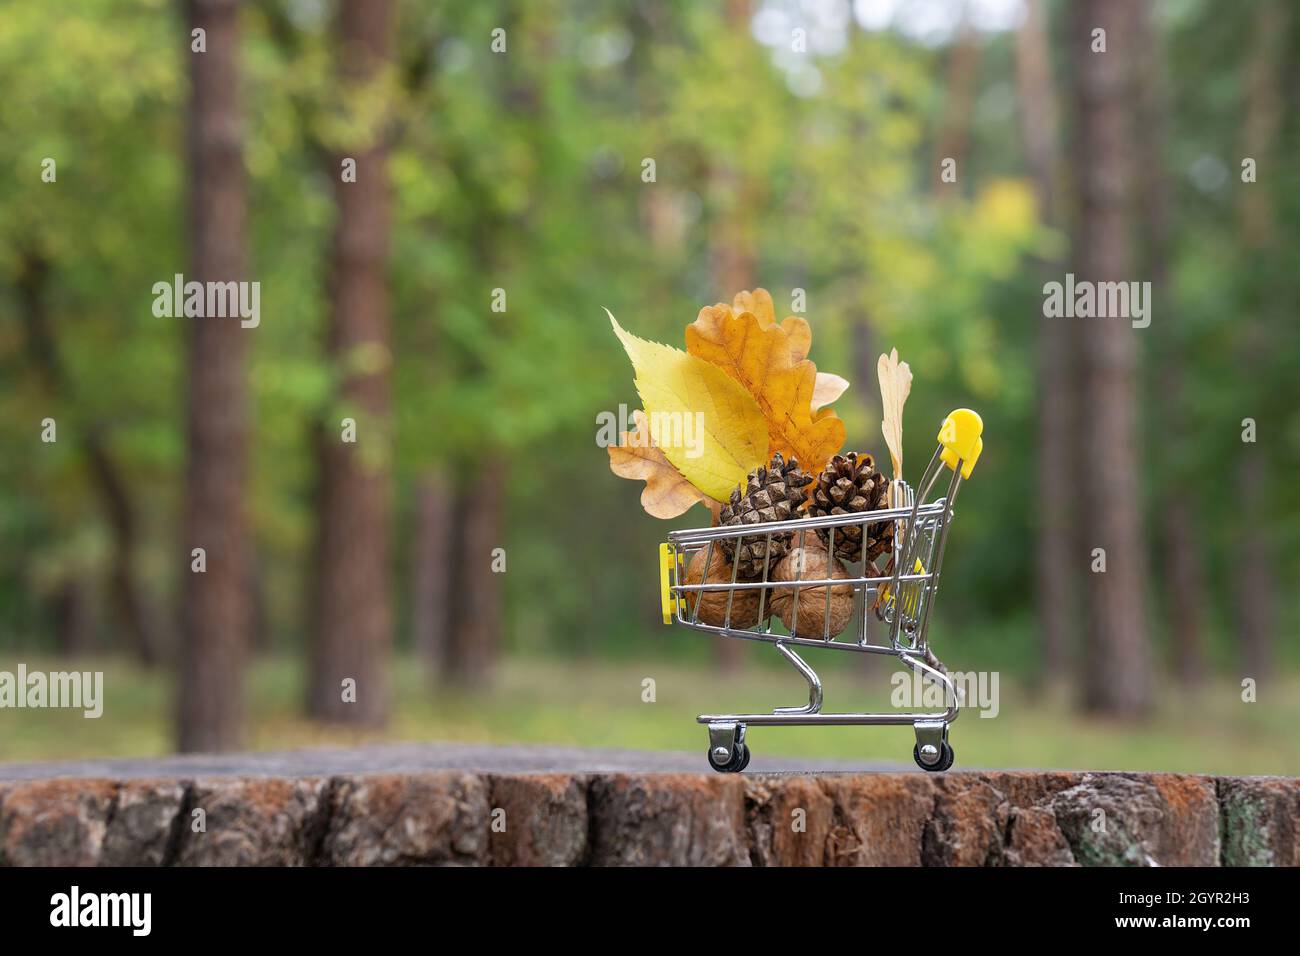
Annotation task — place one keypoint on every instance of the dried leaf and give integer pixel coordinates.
(827, 389)
(667, 493)
(685, 389)
(759, 304)
(800, 338)
(895, 385)
(760, 359)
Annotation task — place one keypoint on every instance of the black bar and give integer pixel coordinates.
(988, 906)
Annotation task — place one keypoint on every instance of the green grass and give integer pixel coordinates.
(599, 704)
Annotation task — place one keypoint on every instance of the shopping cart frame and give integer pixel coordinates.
(903, 602)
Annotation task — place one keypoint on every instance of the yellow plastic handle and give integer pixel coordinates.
(667, 561)
(960, 437)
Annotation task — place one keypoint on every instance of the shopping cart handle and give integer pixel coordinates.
(666, 562)
(960, 437)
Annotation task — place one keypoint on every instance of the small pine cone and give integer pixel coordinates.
(850, 484)
(771, 493)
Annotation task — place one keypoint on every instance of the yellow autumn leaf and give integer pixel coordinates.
(667, 493)
(760, 359)
(719, 431)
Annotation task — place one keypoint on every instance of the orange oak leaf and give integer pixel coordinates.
(760, 358)
(667, 493)
(759, 304)
(800, 334)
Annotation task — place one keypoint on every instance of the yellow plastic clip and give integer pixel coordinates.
(910, 600)
(667, 561)
(960, 437)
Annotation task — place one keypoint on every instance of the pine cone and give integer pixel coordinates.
(771, 493)
(850, 484)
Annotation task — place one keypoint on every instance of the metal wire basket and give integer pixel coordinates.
(891, 605)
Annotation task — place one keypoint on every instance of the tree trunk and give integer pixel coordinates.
(475, 600)
(1057, 537)
(74, 617)
(1255, 583)
(136, 615)
(1182, 559)
(1256, 614)
(1184, 579)
(1118, 670)
(215, 607)
(431, 551)
(352, 636)
(866, 358)
(953, 138)
(732, 252)
(259, 631)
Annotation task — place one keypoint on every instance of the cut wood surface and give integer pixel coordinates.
(443, 804)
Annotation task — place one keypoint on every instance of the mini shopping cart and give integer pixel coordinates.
(891, 608)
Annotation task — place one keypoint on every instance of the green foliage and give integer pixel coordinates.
(523, 172)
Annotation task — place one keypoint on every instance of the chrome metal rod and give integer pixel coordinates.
(923, 635)
(814, 704)
(821, 720)
(700, 536)
(782, 719)
(954, 708)
(771, 638)
(903, 555)
(804, 585)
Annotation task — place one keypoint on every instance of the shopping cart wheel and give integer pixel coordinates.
(738, 762)
(946, 757)
(727, 750)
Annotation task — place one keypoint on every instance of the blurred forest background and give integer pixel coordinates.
(796, 145)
